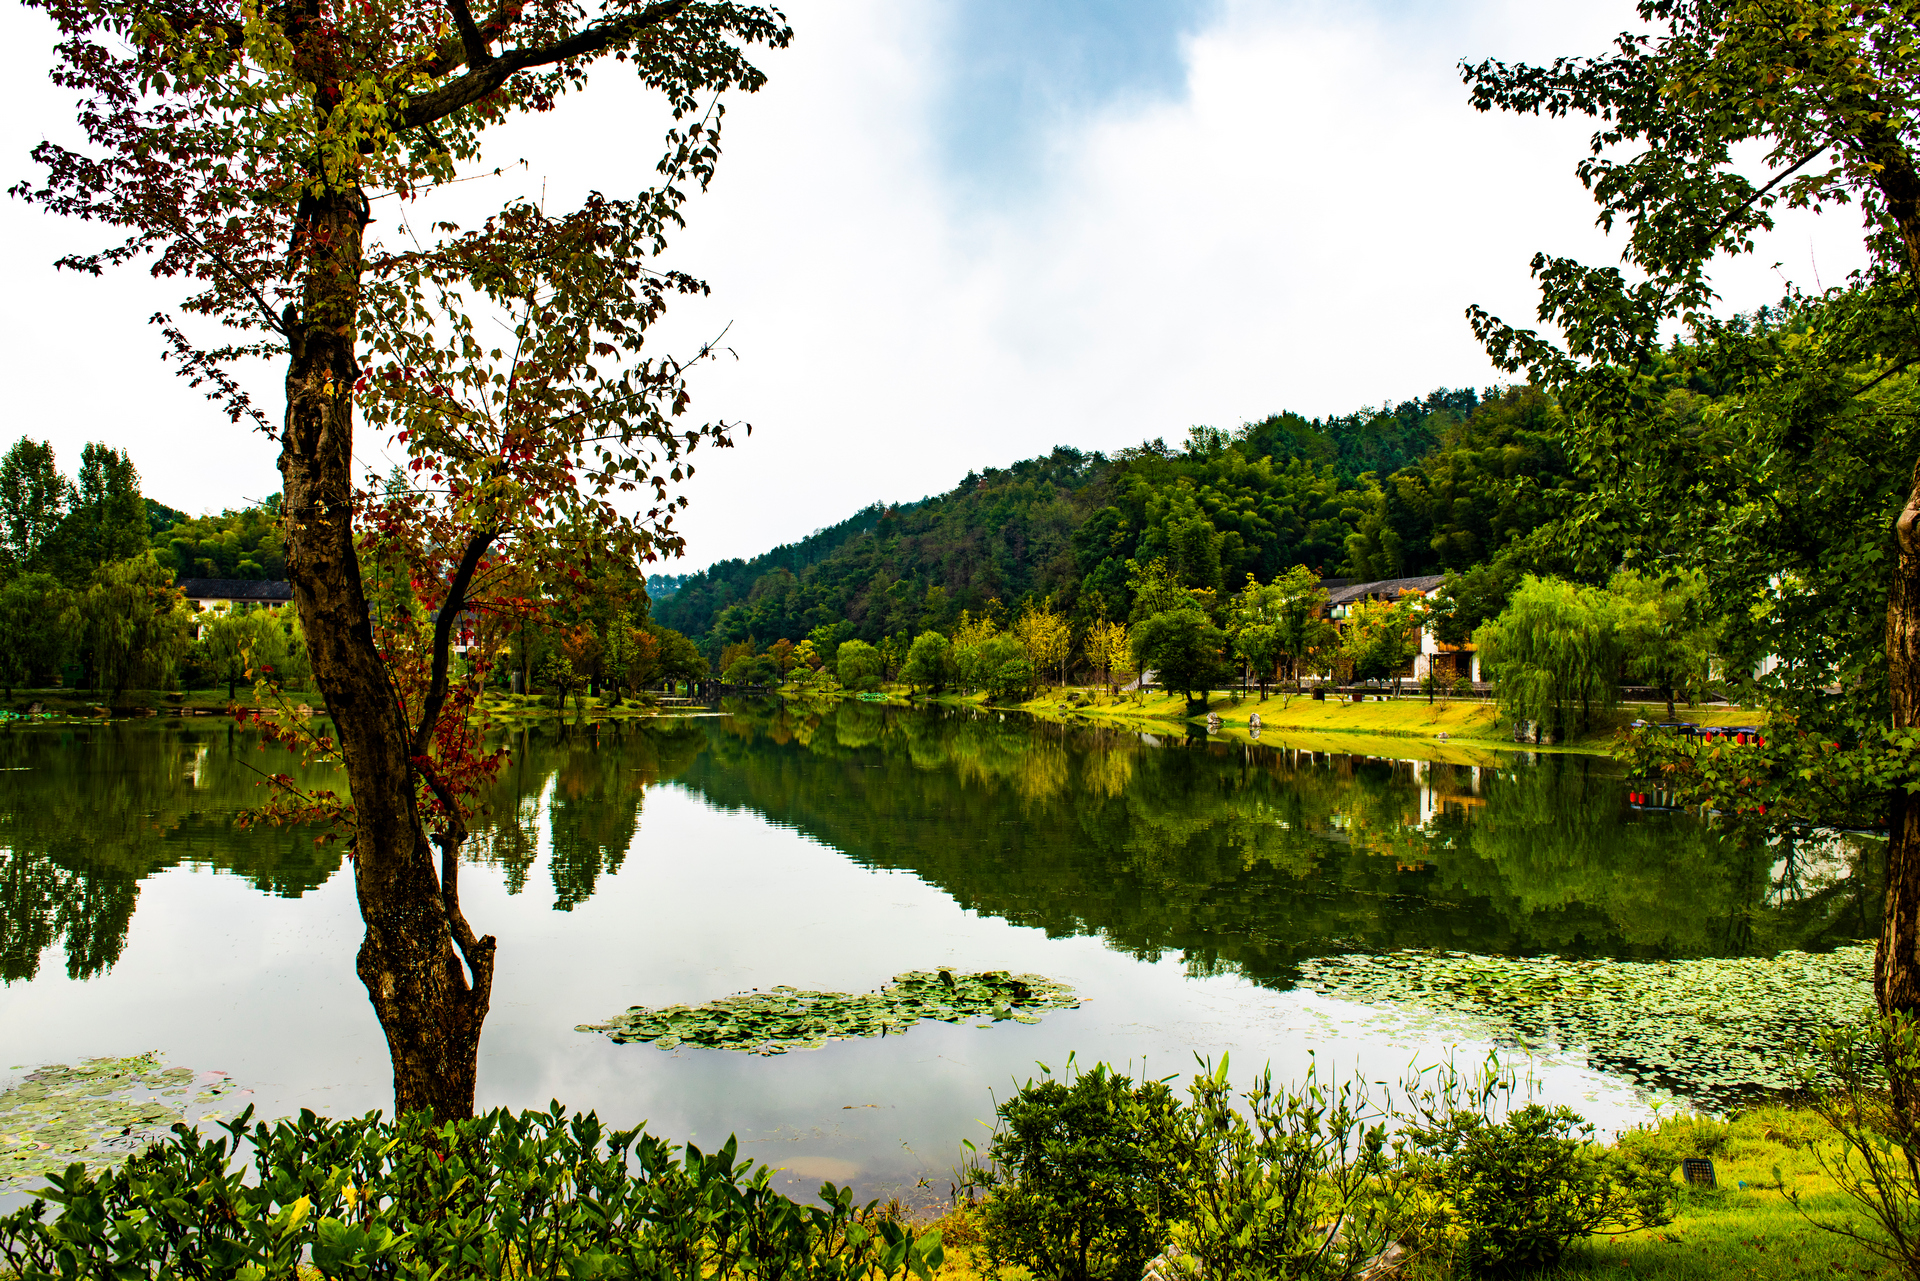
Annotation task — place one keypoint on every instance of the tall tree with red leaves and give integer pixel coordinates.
(242, 148)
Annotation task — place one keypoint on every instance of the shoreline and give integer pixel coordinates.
(1452, 726)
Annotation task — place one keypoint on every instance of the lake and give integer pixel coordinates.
(1180, 886)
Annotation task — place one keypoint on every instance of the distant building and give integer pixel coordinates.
(216, 597)
(1448, 662)
(220, 595)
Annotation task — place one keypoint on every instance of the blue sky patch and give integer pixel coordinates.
(1019, 66)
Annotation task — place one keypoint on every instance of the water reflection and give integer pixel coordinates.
(1239, 858)
(88, 812)
(1251, 857)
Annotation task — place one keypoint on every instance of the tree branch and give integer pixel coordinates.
(470, 37)
(481, 80)
(450, 610)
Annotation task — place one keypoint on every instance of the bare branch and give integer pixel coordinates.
(450, 610)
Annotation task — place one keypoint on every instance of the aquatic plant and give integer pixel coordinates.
(97, 1113)
(1716, 1028)
(787, 1018)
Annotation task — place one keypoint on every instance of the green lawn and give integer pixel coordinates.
(1290, 716)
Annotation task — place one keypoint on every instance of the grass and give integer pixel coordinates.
(1725, 1234)
(1288, 717)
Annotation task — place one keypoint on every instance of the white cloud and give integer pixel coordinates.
(1301, 228)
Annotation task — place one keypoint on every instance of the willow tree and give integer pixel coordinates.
(1721, 114)
(243, 149)
(1554, 654)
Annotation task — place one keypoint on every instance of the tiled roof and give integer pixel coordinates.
(1384, 588)
(235, 589)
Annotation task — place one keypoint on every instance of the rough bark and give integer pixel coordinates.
(429, 1005)
(1897, 964)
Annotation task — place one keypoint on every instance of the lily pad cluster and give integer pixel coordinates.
(787, 1018)
(1716, 1030)
(97, 1112)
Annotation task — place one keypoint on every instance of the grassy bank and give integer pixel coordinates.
(1301, 721)
(1730, 1233)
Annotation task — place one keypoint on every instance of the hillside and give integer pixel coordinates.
(1444, 483)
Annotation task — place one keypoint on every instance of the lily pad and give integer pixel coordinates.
(787, 1018)
(98, 1112)
(1715, 1030)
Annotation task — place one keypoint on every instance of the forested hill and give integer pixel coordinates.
(1444, 483)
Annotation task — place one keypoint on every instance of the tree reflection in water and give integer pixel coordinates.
(1239, 858)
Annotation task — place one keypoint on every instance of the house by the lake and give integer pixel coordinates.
(1447, 662)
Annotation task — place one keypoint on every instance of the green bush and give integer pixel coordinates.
(1513, 1193)
(1871, 1101)
(1663, 1145)
(1302, 1193)
(503, 1195)
(1086, 1174)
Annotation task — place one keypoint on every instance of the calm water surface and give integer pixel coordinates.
(1176, 885)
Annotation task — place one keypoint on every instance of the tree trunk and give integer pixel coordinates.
(1896, 978)
(427, 1007)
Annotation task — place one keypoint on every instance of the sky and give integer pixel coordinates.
(951, 234)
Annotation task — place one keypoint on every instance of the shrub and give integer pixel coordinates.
(1663, 1145)
(1085, 1174)
(1301, 1193)
(1514, 1192)
(1872, 1102)
(502, 1195)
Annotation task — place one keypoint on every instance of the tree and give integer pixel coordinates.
(1183, 648)
(244, 155)
(631, 657)
(1002, 669)
(753, 669)
(241, 642)
(970, 635)
(679, 658)
(1279, 622)
(1302, 631)
(1107, 651)
(929, 662)
(37, 623)
(731, 654)
(1381, 637)
(1257, 646)
(1554, 654)
(33, 498)
(134, 627)
(106, 517)
(1470, 598)
(1044, 636)
(857, 665)
(1667, 640)
(1824, 101)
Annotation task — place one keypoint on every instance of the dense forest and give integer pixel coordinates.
(1451, 482)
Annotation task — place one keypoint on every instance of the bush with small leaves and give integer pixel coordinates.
(1086, 1174)
(537, 1194)
(1515, 1186)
